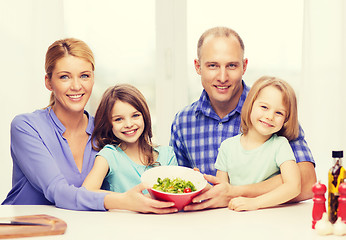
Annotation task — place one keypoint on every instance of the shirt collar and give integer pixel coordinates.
(242, 98)
(204, 106)
(62, 128)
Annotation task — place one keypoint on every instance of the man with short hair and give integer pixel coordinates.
(198, 129)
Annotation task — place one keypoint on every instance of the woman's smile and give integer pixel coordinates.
(75, 96)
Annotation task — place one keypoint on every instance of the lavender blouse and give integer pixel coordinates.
(44, 170)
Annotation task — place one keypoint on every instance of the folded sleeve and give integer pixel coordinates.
(301, 149)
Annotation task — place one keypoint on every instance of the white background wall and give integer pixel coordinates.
(28, 27)
(26, 31)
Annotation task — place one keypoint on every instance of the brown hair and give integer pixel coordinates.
(290, 129)
(62, 48)
(103, 134)
(218, 32)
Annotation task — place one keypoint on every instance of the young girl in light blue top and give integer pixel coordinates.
(268, 120)
(123, 134)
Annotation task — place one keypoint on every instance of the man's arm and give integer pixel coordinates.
(221, 193)
(306, 165)
(290, 189)
(308, 179)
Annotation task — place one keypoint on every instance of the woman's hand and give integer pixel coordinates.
(135, 200)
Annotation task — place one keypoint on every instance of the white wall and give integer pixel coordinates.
(322, 108)
(28, 30)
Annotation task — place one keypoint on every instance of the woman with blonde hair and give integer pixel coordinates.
(51, 148)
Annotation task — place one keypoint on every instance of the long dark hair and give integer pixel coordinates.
(103, 134)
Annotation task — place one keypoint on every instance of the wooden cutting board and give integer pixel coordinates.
(55, 226)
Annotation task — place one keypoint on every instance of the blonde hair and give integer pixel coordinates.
(62, 48)
(290, 129)
(218, 32)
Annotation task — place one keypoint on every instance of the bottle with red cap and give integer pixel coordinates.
(336, 176)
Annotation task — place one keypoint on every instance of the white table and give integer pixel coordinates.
(291, 221)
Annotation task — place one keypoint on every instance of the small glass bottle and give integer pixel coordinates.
(336, 176)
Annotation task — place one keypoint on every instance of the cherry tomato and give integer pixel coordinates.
(187, 190)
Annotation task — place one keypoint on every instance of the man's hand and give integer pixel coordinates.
(212, 196)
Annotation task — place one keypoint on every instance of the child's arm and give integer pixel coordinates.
(95, 177)
(290, 188)
(222, 176)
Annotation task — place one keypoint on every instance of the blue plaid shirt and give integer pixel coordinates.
(197, 132)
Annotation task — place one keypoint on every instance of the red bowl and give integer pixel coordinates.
(180, 199)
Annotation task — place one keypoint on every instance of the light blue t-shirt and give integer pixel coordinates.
(256, 165)
(124, 173)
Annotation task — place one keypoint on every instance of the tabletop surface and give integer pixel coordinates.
(290, 221)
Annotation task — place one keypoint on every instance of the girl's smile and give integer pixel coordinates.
(130, 132)
(266, 124)
(268, 112)
(127, 121)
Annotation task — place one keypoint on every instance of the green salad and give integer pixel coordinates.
(176, 185)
